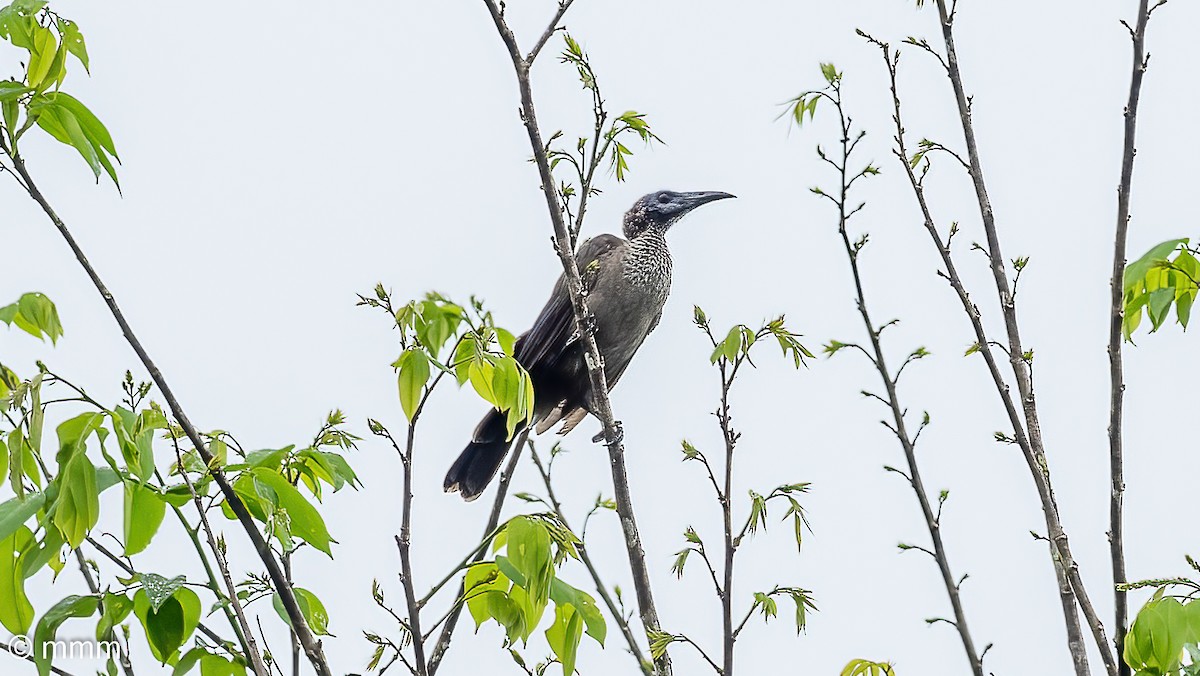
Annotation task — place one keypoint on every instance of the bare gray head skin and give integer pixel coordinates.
(660, 210)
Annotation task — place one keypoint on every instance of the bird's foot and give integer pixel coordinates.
(618, 434)
(589, 324)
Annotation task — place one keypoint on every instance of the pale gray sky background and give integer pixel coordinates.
(279, 157)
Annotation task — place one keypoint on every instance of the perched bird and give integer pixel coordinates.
(627, 282)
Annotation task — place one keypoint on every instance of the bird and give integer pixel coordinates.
(627, 282)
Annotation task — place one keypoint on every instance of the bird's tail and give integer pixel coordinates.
(478, 463)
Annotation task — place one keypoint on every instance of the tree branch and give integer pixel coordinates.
(581, 547)
(907, 443)
(1116, 533)
(728, 634)
(599, 404)
(1032, 452)
(1020, 367)
(404, 544)
(312, 647)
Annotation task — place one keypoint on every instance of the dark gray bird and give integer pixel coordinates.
(627, 281)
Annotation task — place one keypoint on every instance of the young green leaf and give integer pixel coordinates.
(16, 612)
(414, 373)
(43, 648)
(303, 520)
(144, 511)
(310, 607)
(170, 624)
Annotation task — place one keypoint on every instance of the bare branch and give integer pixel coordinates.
(563, 6)
(1116, 532)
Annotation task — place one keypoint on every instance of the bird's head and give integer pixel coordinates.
(660, 210)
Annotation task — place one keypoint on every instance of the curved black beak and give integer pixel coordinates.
(691, 200)
(694, 199)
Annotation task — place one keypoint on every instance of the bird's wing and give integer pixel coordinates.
(553, 328)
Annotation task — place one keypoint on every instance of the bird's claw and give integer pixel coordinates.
(618, 434)
(589, 324)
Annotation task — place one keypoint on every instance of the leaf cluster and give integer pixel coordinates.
(35, 97)
(515, 589)
(1168, 274)
(1164, 631)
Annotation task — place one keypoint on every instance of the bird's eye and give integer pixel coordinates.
(664, 198)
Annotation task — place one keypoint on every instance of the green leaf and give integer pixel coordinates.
(46, 551)
(16, 612)
(158, 588)
(830, 73)
(77, 508)
(464, 356)
(41, 56)
(169, 624)
(16, 511)
(74, 42)
(414, 373)
(331, 468)
(310, 607)
(564, 635)
(17, 22)
(210, 664)
(97, 134)
(479, 372)
(528, 549)
(47, 627)
(481, 581)
(506, 340)
(861, 667)
(11, 91)
(1159, 305)
(583, 603)
(138, 445)
(34, 314)
(303, 520)
(62, 125)
(1135, 272)
(1155, 643)
(144, 511)
(115, 608)
(729, 347)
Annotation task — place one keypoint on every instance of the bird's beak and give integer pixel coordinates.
(691, 200)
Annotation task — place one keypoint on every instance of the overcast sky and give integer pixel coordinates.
(278, 159)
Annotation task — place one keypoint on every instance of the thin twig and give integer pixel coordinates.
(700, 650)
(551, 29)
